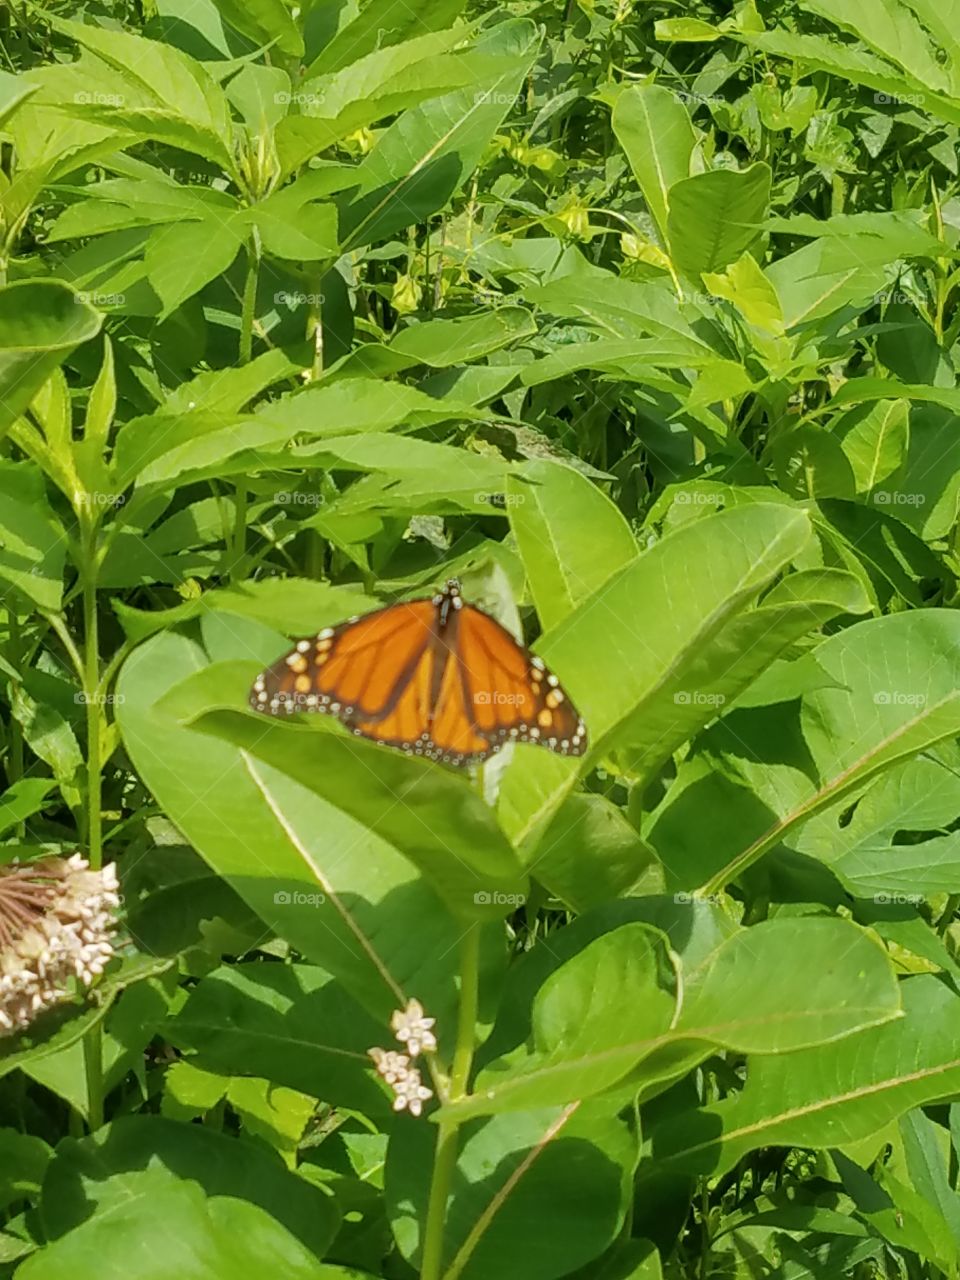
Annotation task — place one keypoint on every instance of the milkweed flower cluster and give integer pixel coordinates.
(57, 925)
(413, 1029)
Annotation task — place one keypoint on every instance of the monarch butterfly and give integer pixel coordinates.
(436, 677)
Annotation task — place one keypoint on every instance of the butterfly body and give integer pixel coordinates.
(435, 677)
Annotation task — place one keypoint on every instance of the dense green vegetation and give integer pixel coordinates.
(641, 320)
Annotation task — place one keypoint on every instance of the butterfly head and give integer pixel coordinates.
(449, 597)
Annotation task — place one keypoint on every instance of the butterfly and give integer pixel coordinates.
(436, 677)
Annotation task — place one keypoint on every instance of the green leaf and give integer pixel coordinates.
(287, 1023)
(431, 150)
(896, 696)
(744, 284)
(441, 343)
(22, 800)
(571, 537)
(590, 854)
(148, 89)
(377, 25)
(715, 217)
(654, 129)
(576, 1159)
(826, 1097)
(581, 1046)
(182, 258)
(33, 542)
(265, 22)
(267, 834)
(875, 439)
(215, 1236)
(41, 322)
(461, 850)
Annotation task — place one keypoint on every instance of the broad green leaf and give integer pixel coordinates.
(921, 796)
(431, 150)
(851, 62)
(265, 22)
(377, 25)
(838, 271)
(591, 854)
(33, 542)
(896, 696)
(570, 535)
(182, 258)
(661, 667)
(891, 30)
(295, 606)
(22, 800)
(215, 1236)
(41, 322)
(151, 90)
(650, 651)
(25, 1159)
(175, 438)
(383, 83)
(875, 439)
(715, 217)
(287, 1023)
(268, 835)
(744, 284)
(576, 1160)
(461, 850)
(620, 309)
(828, 1096)
(293, 224)
(441, 343)
(687, 29)
(654, 129)
(581, 1046)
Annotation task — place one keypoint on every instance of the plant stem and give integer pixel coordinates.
(248, 311)
(248, 306)
(445, 1159)
(92, 1041)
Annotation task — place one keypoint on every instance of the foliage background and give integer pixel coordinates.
(642, 319)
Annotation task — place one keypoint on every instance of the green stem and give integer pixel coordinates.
(15, 759)
(448, 1137)
(248, 311)
(248, 306)
(93, 1040)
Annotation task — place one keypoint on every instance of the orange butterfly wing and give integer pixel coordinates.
(435, 677)
(505, 692)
